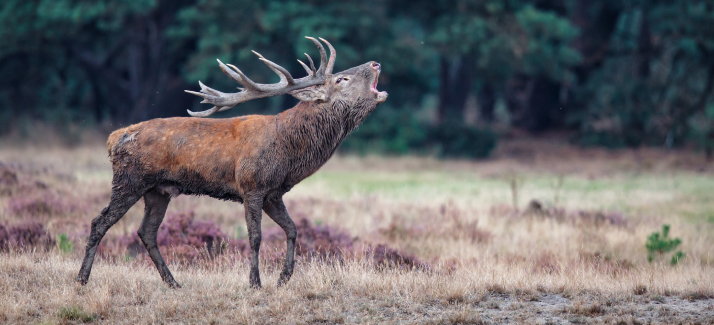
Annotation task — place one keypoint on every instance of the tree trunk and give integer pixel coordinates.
(535, 104)
(455, 85)
(486, 103)
(133, 78)
(644, 49)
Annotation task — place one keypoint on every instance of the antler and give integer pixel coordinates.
(252, 90)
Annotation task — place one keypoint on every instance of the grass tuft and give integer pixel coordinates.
(73, 313)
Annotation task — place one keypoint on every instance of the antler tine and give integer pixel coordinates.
(197, 94)
(323, 56)
(203, 113)
(250, 84)
(312, 65)
(307, 69)
(280, 71)
(228, 72)
(209, 90)
(237, 76)
(333, 56)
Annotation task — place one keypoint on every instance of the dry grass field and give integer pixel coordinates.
(542, 233)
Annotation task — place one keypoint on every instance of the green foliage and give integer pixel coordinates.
(73, 313)
(508, 39)
(398, 131)
(654, 86)
(678, 256)
(458, 140)
(626, 73)
(659, 244)
(65, 245)
(89, 60)
(389, 131)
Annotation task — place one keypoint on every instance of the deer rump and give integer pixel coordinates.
(251, 159)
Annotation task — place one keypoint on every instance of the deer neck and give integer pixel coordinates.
(311, 130)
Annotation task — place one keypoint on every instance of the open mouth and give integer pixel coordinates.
(381, 96)
(378, 68)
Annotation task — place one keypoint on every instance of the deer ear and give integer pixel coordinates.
(311, 94)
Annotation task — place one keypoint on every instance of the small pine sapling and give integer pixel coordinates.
(65, 245)
(659, 244)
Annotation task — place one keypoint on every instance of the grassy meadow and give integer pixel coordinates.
(541, 233)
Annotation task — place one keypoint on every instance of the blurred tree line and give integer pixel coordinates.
(613, 72)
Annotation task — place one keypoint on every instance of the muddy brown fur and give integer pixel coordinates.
(252, 159)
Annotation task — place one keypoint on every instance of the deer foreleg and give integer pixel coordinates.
(279, 214)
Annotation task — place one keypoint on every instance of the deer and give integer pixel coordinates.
(253, 159)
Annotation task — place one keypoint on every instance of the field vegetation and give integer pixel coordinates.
(539, 233)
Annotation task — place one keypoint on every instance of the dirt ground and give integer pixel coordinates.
(557, 309)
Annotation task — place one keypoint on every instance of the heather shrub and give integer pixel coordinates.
(418, 223)
(25, 236)
(314, 240)
(180, 237)
(31, 197)
(8, 180)
(182, 230)
(183, 238)
(386, 257)
(598, 218)
(584, 217)
(127, 246)
(12, 182)
(42, 203)
(331, 244)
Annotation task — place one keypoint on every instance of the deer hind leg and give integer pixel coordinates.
(279, 214)
(253, 216)
(118, 206)
(154, 211)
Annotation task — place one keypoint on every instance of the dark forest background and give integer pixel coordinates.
(615, 73)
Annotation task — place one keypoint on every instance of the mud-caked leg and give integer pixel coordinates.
(156, 204)
(118, 206)
(279, 214)
(253, 216)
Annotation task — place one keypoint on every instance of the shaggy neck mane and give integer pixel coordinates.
(321, 126)
(313, 131)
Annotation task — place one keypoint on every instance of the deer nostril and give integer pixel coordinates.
(376, 66)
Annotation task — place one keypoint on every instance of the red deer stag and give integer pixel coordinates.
(253, 159)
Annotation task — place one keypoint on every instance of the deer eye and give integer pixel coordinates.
(340, 79)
